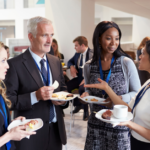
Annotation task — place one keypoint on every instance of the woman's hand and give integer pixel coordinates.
(84, 95)
(126, 123)
(18, 133)
(20, 118)
(102, 85)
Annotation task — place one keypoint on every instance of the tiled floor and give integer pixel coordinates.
(75, 138)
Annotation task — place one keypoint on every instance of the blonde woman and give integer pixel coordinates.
(16, 133)
(56, 51)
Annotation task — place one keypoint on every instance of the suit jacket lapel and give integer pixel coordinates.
(52, 68)
(87, 55)
(32, 68)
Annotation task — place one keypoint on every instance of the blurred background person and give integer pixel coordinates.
(56, 50)
(60, 56)
(76, 63)
(143, 75)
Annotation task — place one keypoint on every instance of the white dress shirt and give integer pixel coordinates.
(84, 60)
(33, 95)
(141, 113)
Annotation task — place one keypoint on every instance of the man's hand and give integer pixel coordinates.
(58, 102)
(44, 93)
(82, 82)
(73, 71)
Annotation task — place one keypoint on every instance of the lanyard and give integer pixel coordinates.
(8, 144)
(140, 95)
(109, 74)
(48, 74)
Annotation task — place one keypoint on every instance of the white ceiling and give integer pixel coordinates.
(137, 7)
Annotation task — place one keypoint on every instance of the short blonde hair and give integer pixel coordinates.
(2, 85)
(33, 22)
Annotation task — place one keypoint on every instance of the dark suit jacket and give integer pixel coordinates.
(74, 60)
(23, 78)
(2, 128)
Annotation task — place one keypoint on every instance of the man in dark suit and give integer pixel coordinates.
(76, 63)
(29, 87)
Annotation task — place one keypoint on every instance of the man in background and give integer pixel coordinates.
(76, 63)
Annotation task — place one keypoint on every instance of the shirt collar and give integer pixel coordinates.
(36, 57)
(84, 53)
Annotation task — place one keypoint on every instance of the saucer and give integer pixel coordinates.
(113, 119)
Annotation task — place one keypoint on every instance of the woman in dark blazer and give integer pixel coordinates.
(16, 133)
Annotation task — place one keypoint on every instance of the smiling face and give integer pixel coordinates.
(40, 44)
(144, 63)
(3, 63)
(109, 40)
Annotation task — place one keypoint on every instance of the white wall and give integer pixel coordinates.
(141, 29)
(66, 18)
(140, 26)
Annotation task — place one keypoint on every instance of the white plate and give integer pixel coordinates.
(16, 123)
(87, 99)
(113, 119)
(63, 94)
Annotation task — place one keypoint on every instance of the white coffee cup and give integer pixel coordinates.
(120, 111)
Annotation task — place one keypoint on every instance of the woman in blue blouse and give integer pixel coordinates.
(16, 133)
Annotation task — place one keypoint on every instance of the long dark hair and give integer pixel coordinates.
(99, 30)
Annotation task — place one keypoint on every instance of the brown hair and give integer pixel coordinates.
(3, 87)
(142, 44)
(81, 40)
(57, 51)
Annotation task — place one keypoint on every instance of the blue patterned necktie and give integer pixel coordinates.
(45, 75)
(80, 77)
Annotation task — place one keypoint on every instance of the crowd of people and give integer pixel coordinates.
(106, 71)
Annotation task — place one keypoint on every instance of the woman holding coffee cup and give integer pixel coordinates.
(112, 64)
(139, 106)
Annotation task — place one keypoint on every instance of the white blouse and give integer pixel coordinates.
(141, 113)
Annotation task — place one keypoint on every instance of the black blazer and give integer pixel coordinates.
(2, 128)
(23, 78)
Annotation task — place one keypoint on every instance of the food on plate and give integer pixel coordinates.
(94, 100)
(54, 95)
(86, 99)
(31, 124)
(69, 95)
(107, 115)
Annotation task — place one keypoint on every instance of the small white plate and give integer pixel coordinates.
(63, 94)
(87, 99)
(16, 123)
(113, 119)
